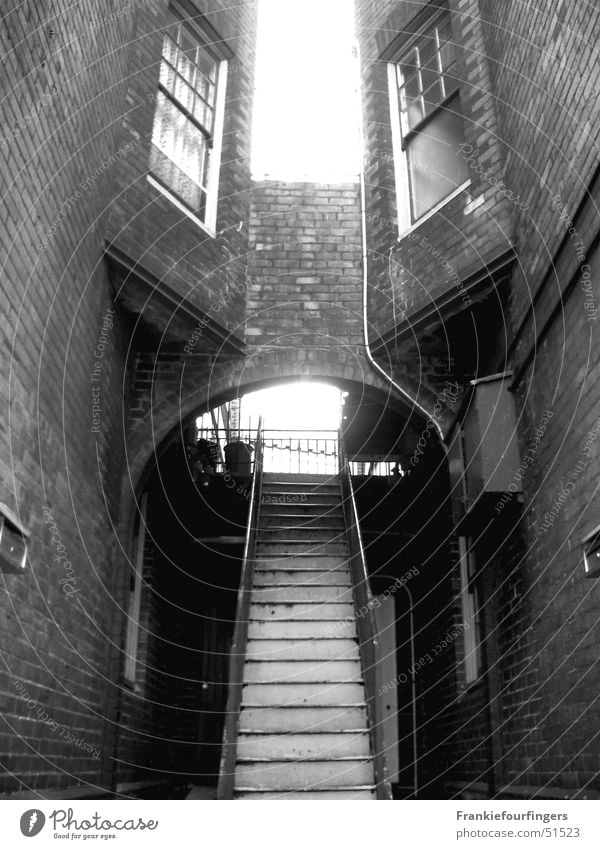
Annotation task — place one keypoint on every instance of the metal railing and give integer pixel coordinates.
(304, 451)
(240, 633)
(285, 451)
(365, 622)
(293, 451)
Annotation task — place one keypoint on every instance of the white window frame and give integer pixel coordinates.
(209, 223)
(134, 607)
(400, 153)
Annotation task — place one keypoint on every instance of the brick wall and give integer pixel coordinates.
(561, 507)
(470, 230)
(146, 226)
(304, 285)
(545, 92)
(545, 101)
(61, 93)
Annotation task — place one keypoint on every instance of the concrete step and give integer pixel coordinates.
(324, 497)
(300, 477)
(298, 629)
(302, 592)
(292, 671)
(286, 746)
(313, 507)
(303, 719)
(316, 795)
(316, 563)
(302, 578)
(294, 775)
(299, 694)
(325, 611)
(291, 548)
(315, 536)
(294, 522)
(332, 649)
(300, 488)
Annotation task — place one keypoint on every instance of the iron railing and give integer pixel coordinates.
(365, 622)
(285, 451)
(306, 451)
(240, 634)
(292, 451)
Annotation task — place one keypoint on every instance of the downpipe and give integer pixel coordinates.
(429, 417)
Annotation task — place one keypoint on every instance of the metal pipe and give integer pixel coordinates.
(363, 217)
(413, 679)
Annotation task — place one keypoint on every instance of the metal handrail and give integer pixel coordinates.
(365, 621)
(240, 634)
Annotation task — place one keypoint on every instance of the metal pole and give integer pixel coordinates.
(413, 680)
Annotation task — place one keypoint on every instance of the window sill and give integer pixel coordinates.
(132, 687)
(448, 199)
(180, 206)
(466, 689)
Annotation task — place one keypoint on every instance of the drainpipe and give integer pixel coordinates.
(363, 218)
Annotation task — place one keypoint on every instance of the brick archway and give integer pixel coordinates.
(177, 389)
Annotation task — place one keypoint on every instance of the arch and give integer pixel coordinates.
(173, 406)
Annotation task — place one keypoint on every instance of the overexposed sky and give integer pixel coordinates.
(306, 106)
(305, 405)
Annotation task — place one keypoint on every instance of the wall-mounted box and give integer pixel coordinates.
(591, 554)
(483, 451)
(13, 542)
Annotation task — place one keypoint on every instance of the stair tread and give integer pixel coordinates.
(298, 601)
(328, 789)
(347, 793)
(277, 706)
(303, 585)
(298, 639)
(271, 528)
(273, 515)
(310, 660)
(282, 682)
(258, 732)
(280, 760)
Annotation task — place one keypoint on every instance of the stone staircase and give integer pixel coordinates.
(302, 731)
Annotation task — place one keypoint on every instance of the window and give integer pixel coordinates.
(469, 598)
(427, 118)
(188, 122)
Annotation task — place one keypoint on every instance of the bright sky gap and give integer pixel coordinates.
(306, 103)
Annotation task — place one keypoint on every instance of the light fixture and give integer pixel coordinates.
(13, 542)
(591, 554)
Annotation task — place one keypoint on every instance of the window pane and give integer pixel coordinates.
(184, 93)
(432, 90)
(445, 39)
(207, 64)
(167, 77)
(180, 150)
(169, 50)
(186, 68)
(435, 169)
(204, 114)
(410, 96)
(177, 181)
(165, 122)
